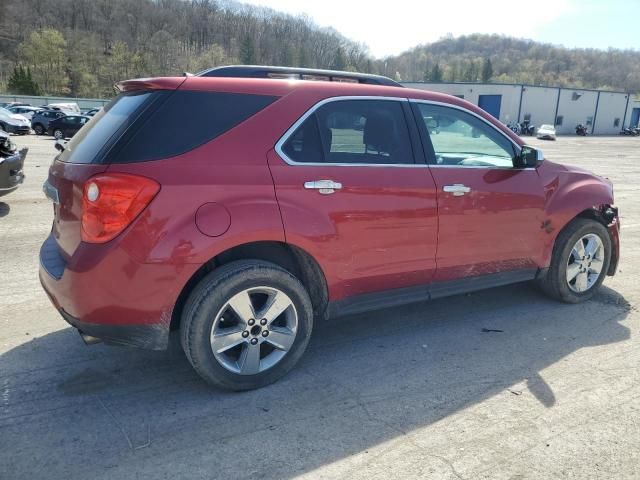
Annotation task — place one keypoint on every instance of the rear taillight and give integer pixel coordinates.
(110, 202)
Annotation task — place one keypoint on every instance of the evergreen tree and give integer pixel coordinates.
(22, 83)
(487, 71)
(248, 51)
(436, 73)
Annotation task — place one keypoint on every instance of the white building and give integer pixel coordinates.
(604, 112)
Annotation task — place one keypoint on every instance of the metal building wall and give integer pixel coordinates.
(540, 103)
(611, 109)
(472, 91)
(545, 104)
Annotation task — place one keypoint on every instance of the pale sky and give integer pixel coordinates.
(389, 28)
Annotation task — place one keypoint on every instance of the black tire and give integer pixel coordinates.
(555, 282)
(58, 134)
(212, 293)
(38, 129)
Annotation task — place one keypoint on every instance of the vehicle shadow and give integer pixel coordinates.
(71, 411)
(5, 208)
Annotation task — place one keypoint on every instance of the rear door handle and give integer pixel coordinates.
(325, 187)
(457, 189)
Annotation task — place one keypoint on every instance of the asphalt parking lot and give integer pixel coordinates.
(415, 392)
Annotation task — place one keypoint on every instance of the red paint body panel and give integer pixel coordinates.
(378, 232)
(495, 227)
(387, 228)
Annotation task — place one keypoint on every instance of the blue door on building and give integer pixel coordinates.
(490, 104)
(635, 117)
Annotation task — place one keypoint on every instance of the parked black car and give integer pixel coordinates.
(11, 163)
(40, 120)
(67, 126)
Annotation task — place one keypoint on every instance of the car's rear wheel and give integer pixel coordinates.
(58, 134)
(246, 324)
(39, 129)
(580, 261)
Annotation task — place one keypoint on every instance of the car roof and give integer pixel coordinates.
(279, 72)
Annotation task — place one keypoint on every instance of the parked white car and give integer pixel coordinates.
(68, 108)
(24, 110)
(546, 132)
(14, 123)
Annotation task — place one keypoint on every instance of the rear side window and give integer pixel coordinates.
(184, 121)
(352, 132)
(90, 142)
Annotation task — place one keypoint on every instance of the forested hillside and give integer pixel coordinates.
(503, 59)
(82, 47)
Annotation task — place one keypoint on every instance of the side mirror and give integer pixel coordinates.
(530, 157)
(60, 145)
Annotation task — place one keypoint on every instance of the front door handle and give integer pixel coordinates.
(457, 189)
(325, 187)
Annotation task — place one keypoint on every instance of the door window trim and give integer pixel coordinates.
(416, 156)
(428, 146)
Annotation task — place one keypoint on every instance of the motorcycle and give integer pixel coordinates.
(581, 130)
(527, 128)
(11, 164)
(629, 131)
(514, 127)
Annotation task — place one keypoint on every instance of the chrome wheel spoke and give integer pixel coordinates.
(582, 282)
(596, 265)
(572, 271)
(221, 342)
(281, 338)
(242, 306)
(274, 308)
(592, 246)
(249, 361)
(578, 250)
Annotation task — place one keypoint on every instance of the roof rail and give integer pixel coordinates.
(260, 71)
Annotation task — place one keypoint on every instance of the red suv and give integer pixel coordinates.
(241, 210)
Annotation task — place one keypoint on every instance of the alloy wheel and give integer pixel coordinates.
(585, 263)
(254, 330)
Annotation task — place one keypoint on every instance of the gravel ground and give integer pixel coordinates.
(425, 395)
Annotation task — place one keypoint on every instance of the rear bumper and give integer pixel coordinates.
(151, 337)
(11, 172)
(103, 293)
(20, 129)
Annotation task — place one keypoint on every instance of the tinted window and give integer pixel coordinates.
(353, 131)
(462, 139)
(185, 121)
(88, 144)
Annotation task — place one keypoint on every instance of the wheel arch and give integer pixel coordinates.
(290, 257)
(602, 214)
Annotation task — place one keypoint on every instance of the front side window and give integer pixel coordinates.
(461, 139)
(371, 132)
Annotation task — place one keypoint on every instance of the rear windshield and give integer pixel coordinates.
(90, 143)
(144, 126)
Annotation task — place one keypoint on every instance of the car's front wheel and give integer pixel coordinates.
(246, 324)
(39, 129)
(580, 261)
